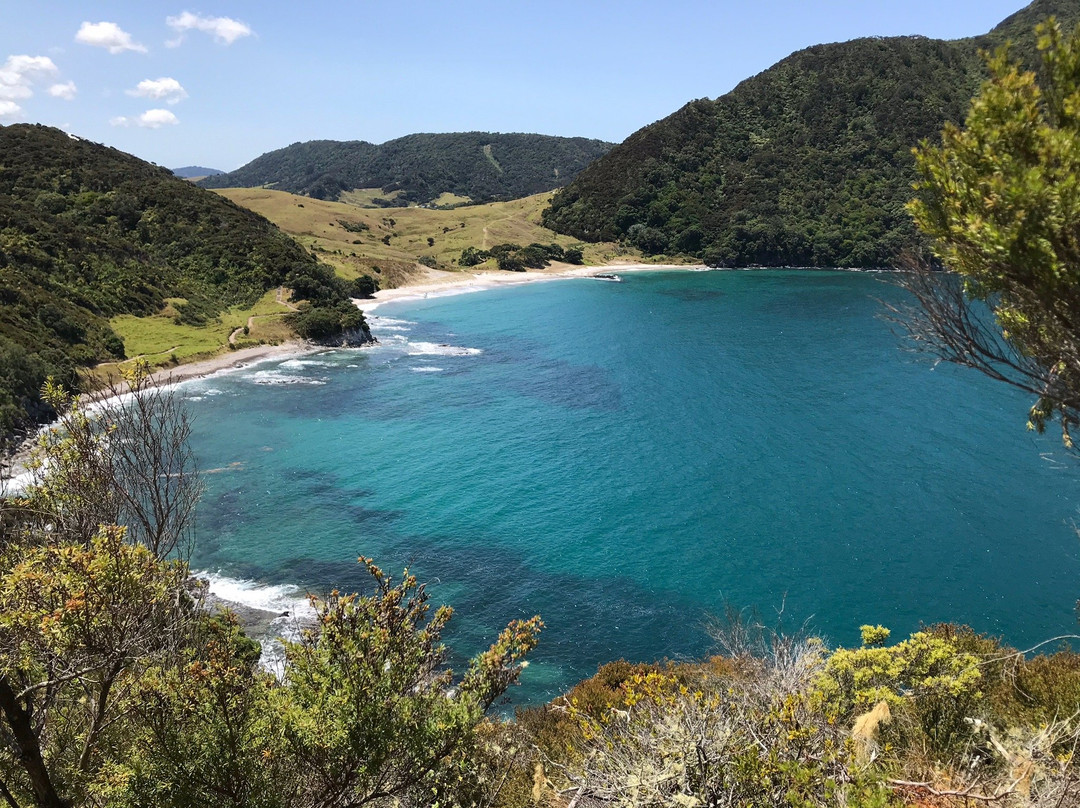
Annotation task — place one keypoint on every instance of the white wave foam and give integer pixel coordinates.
(378, 328)
(439, 349)
(263, 597)
(294, 612)
(16, 484)
(390, 321)
(293, 364)
(427, 370)
(277, 377)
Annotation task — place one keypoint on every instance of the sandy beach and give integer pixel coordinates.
(437, 282)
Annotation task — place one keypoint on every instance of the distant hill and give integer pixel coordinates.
(806, 164)
(190, 172)
(88, 232)
(481, 166)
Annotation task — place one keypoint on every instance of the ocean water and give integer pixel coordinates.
(626, 459)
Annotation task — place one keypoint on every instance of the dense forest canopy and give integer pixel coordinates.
(419, 168)
(806, 164)
(88, 232)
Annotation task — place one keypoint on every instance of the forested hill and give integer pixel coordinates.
(88, 232)
(419, 168)
(193, 172)
(806, 164)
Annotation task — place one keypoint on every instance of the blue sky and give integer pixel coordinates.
(219, 82)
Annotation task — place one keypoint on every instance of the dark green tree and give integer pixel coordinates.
(1000, 201)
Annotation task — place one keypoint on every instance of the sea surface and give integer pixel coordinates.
(626, 459)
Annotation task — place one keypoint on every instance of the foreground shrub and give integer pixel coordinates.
(924, 678)
(755, 738)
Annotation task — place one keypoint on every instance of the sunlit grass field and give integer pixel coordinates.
(162, 341)
(398, 238)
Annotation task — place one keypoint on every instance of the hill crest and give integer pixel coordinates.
(191, 172)
(419, 168)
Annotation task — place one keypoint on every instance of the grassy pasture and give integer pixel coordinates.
(398, 238)
(162, 341)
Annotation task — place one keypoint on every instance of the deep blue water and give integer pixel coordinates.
(624, 459)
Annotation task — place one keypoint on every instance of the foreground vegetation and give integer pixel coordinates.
(471, 166)
(999, 200)
(943, 718)
(807, 164)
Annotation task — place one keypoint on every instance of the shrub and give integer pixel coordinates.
(925, 677)
(315, 323)
(354, 226)
(471, 256)
(364, 287)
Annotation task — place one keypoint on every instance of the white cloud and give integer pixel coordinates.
(156, 118)
(151, 119)
(65, 91)
(224, 29)
(107, 35)
(169, 89)
(17, 76)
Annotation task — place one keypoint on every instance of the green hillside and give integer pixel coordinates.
(806, 164)
(479, 166)
(88, 233)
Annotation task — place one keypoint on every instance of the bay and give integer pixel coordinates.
(625, 459)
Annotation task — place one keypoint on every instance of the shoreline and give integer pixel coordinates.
(13, 466)
(441, 283)
(433, 283)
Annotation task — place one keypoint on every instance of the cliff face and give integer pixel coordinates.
(351, 338)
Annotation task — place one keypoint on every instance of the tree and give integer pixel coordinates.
(78, 626)
(1000, 199)
(129, 463)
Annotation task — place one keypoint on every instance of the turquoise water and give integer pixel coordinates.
(624, 459)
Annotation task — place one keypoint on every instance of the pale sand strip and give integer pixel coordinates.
(437, 283)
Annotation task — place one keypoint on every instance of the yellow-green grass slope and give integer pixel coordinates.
(397, 239)
(161, 340)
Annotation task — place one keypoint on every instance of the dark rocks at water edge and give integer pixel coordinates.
(350, 338)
